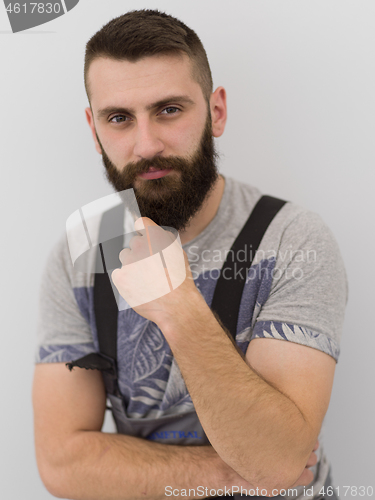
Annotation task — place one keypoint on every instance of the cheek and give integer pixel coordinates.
(183, 139)
(117, 148)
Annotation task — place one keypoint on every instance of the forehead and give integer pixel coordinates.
(139, 83)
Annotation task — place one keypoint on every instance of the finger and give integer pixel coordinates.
(316, 445)
(135, 242)
(148, 240)
(142, 222)
(123, 255)
(313, 459)
(114, 275)
(305, 478)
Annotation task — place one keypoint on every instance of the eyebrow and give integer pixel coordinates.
(183, 99)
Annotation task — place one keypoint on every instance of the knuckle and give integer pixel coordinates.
(135, 243)
(123, 254)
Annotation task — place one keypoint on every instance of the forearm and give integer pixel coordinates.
(255, 429)
(101, 466)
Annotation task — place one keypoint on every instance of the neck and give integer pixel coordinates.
(205, 215)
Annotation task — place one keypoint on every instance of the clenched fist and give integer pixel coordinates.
(153, 270)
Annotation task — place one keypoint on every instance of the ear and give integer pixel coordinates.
(218, 106)
(90, 121)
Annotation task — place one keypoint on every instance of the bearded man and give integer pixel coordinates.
(198, 414)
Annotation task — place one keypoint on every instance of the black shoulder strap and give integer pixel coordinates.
(105, 305)
(230, 284)
(227, 295)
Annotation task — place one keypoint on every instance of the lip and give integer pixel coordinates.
(155, 174)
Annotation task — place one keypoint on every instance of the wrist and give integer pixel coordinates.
(216, 473)
(191, 310)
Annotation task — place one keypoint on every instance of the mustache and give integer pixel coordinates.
(160, 163)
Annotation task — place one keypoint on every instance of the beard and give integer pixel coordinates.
(174, 199)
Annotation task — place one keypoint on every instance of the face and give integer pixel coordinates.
(154, 130)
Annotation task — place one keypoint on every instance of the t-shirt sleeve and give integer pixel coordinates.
(307, 298)
(63, 330)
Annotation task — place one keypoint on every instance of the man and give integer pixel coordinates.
(261, 403)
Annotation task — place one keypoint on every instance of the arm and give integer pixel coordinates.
(268, 407)
(262, 422)
(77, 461)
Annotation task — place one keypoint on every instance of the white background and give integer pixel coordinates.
(300, 79)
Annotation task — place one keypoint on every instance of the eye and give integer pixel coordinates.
(118, 119)
(170, 110)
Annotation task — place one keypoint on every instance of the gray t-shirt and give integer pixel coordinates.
(296, 290)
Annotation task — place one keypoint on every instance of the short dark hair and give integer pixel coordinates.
(142, 33)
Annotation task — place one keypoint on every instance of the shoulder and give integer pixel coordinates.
(295, 228)
(58, 261)
(307, 283)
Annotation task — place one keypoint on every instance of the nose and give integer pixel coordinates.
(147, 143)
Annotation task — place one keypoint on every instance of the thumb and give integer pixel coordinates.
(142, 222)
